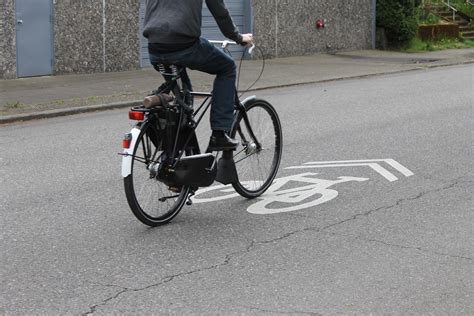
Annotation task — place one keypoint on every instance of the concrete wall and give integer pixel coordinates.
(287, 27)
(91, 38)
(78, 36)
(87, 37)
(122, 41)
(7, 40)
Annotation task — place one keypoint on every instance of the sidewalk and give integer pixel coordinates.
(32, 98)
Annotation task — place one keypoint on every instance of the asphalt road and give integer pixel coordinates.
(365, 235)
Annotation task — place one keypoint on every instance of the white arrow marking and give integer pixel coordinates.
(395, 164)
(372, 163)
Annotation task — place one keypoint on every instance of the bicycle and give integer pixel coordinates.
(162, 163)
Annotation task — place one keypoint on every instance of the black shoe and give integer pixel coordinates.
(221, 141)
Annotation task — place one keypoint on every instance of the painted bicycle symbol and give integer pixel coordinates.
(286, 194)
(304, 190)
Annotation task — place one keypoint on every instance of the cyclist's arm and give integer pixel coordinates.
(224, 20)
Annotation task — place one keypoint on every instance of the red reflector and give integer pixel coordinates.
(136, 116)
(127, 139)
(126, 143)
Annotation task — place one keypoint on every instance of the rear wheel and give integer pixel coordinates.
(257, 160)
(151, 201)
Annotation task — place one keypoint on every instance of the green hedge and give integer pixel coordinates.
(398, 18)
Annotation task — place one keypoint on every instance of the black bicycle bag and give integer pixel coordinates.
(195, 171)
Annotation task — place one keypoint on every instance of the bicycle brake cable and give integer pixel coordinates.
(259, 76)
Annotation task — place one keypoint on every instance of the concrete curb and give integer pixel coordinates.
(419, 68)
(118, 105)
(63, 112)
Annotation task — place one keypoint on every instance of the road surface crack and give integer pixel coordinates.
(165, 280)
(253, 244)
(403, 200)
(433, 252)
(356, 216)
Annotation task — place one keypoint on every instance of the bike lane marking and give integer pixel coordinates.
(291, 199)
(372, 163)
(382, 171)
(310, 192)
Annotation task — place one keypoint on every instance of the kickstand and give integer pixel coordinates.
(189, 202)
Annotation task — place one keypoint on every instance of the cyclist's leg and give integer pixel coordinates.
(207, 58)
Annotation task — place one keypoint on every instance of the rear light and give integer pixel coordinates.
(136, 116)
(127, 139)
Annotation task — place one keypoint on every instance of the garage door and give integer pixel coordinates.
(241, 14)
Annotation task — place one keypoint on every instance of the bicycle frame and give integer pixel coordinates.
(176, 147)
(239, 107)
(226, 171)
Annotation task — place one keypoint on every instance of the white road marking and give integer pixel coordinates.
(302, 190)
(372, 163)
(290, 200)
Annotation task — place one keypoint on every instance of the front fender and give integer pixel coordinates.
(248, 99)
(128, 153)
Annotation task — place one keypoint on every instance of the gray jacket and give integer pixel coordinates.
(179, 21)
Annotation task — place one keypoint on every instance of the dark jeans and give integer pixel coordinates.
(205, 57)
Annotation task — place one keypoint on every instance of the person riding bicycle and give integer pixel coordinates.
(173, 30)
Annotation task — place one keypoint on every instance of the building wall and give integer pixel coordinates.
(288, 27)
(89, 37)
(78, 36)
(7, 40)
(122, 41)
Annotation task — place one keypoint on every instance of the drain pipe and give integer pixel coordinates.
(374, 23)
(104, 21)
(276, 28)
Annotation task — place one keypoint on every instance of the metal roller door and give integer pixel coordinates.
(241, 14)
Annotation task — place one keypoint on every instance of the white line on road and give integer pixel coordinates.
(372, 163)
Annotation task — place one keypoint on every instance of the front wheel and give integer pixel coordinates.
(258, 156)
(151, 201)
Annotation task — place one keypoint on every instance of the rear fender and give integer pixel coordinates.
(128, 153)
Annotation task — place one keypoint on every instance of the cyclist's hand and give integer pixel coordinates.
(247, 39)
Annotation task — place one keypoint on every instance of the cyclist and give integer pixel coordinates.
(173, 29)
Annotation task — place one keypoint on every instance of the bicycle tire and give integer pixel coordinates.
(143, 191)
(249, 161)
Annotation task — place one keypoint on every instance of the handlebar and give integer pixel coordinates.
(226, 43)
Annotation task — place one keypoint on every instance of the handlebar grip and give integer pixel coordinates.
(226, 43)
(251, 49)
